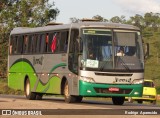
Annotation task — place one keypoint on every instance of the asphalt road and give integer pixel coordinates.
(55, 106)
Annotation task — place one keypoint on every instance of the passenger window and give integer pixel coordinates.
(11, 47)
(19, 44)
(29, 44)
(33, 43)
(54, 42)
(43, 43)
(64, 41)
(38, 43)
(14, 45)
(46, 42)
(25, 44)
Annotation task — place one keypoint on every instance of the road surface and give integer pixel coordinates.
(55, 106)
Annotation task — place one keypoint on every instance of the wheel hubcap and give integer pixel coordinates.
(66, 93)
(27, 88)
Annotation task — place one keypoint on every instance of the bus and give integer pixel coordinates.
(84, 59)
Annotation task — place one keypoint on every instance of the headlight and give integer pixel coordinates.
(138, 81)
(87, 79)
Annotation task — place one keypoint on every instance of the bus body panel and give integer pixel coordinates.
(47, 71)
(96, 89)
(44, 77)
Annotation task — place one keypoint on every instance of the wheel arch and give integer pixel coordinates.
(25, 79)
(64, 79)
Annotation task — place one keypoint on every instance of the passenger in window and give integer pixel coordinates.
(46, 45)
(131, 51)
(120, 51)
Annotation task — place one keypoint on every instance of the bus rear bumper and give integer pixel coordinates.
(109, 90)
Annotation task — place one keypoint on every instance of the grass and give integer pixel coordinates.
(4, 89)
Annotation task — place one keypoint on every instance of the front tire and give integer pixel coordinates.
(68, 98)
(78, 98)
(29, 95)
(118, 100)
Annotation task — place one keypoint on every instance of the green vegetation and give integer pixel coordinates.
(5, 90)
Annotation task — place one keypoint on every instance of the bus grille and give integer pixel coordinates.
(111, 74)
(106, 91)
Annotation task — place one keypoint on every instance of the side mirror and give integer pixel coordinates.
(146, 50)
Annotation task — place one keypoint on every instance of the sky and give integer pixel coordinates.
(105, 8)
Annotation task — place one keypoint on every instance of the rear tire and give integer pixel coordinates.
(39, 96)
(68, 98)
(118, 100)
(153, 102)
(140, 101)
(29, 95)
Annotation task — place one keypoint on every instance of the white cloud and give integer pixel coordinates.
(139, 6)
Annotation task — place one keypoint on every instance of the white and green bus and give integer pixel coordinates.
(85, 59)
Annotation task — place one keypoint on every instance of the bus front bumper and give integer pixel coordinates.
(108, 90)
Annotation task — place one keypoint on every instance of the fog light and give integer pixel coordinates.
(136, 93)
(88, 91)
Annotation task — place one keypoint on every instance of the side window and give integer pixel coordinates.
(11, 46)
(19, 44)
(50, 38)
(33, 44)
(29, 44)
(46, 43)
(43, 43)
(14, 44)
(25, 44)
(64, 41)
(54, 42)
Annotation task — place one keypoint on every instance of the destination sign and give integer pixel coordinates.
(97, 32)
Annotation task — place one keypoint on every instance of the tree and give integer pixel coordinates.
(27, 13)
(22, 13)
(152, 20)
(138, 21)
(100, 18)
(117, 19)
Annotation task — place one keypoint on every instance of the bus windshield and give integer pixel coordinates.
(105, 49)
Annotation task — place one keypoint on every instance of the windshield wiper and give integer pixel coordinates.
(124, 65)
(104, 64)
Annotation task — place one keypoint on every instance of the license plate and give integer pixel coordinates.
(114, 89)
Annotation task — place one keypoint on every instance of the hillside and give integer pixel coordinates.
(152, 63)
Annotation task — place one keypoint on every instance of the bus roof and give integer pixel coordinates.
(26, 30)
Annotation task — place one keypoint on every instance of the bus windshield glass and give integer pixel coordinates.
(105, 49)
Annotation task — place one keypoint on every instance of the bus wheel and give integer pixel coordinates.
(68, 98)
(140, 101)
(29, 95)
(118, 100)
(39, 96)
(78, 98)
(153, 102)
